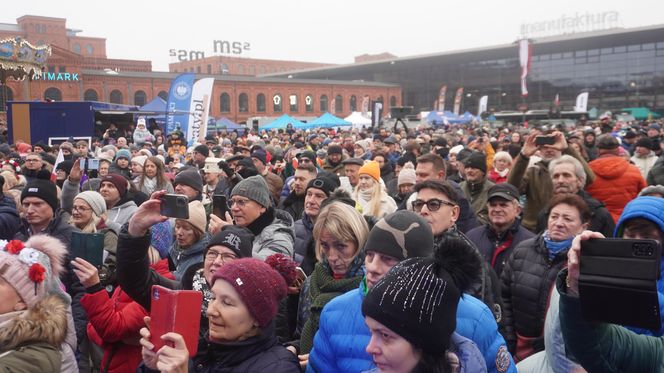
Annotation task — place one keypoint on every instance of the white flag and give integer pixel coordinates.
(59, 159)
(581, 102)
(484, 101)
(524, 61)
(200, 106)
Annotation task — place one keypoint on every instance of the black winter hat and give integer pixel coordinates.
(644, 142)
(234, 237)
(334, 149)
(402, 234)
(260, 154)
(43, 189)
(190, 178)
(325, 183)
(476, 160)
(203, 150)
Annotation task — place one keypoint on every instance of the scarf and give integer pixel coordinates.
(149, 184)
(322, 289)
(502, 173)
(257, 226)
(199, 284)
(556, 247)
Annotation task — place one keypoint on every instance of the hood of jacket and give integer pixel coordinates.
(196, 250)
(46, 322)
(612, 167)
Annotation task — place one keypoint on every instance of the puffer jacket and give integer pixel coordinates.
(493, 246)
(617, 182)
(342, 337)
(181, 259)
(527, 280)
(600, 218)
(121, 212)
(30, 340)
(114, 321)
(303, 230)
(9, 219)
(273, 233)
(656, 174)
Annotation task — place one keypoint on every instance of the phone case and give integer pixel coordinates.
(176, 311)
(618, 282)
(88, 246)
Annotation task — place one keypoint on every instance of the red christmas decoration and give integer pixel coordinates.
(14, 247)
(37, 273)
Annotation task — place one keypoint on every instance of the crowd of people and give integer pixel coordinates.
(451, 249)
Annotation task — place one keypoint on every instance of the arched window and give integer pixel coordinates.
(89, 49)
(338, 104)
(77, 48)
(140, 98)
(225, 102)
(116, 97)
(262, 69)
(292, 99)
(252, 70)
(240, 69)
(163, 95)
(243, 103)
(393, 101)
(309, 103)
(223, 69)
(260, 103)
(90, 95)
(53, 94)
(353, 103)
(323, 103)
(276, 100)
(6, 94)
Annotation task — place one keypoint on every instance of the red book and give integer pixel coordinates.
(176, 311)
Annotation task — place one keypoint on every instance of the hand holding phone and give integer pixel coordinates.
(219, 205)
(176, 311)
(175, 206)
(545, 140)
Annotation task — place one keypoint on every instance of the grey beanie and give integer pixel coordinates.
(95, 200)
(255, 188)
(191, 178)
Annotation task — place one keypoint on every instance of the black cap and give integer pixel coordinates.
(307, 154)
(440, 142)
(505, 191)
(630, 135)
(357, 161)
(203, 150)
(334, 149)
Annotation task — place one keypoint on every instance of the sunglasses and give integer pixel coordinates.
(432, 204)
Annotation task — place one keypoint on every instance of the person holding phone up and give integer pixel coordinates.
(602, 347)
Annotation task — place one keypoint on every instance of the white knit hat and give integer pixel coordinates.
(95, 200)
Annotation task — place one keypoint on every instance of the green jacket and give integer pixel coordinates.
(31, 358)
(606, 348)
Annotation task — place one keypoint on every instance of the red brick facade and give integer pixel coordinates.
(225, 65)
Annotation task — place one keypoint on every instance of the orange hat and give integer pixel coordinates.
(372, 169)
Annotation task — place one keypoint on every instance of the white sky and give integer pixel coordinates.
(313, 30)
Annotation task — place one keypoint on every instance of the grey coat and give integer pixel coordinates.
(278, 237)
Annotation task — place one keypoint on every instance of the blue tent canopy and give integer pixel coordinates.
(328, 120)
(282, 122)
(225, 123)
(436, 118)
(157, 105)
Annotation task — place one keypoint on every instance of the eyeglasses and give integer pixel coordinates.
(239, 202)
(212, 255)
(432, 204)
(80, 209)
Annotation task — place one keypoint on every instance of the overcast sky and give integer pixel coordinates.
(313, 30)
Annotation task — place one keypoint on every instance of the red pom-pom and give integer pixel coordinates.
(285, 266)
(14, 246)
(37, 273)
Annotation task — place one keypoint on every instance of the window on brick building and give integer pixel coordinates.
(6, 94)
(90, 95)
(89, 49)
(252, 70)
(260, 103)
(62, 69)
(198, 69)
(338, 104)
(209, 69)
(223, 69)
(393, 101)
(140, 98)
(116, 97)
(163, 95)
(262, 69)
(240, 69)
(77, 48)
(292, 100)
(53, 94)
(243, 103)
(353, 103)
(277, 104)
(309, 103)
(323, 103)
(225, 102)
(51, 68)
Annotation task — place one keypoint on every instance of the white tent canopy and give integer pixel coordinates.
(358, 120)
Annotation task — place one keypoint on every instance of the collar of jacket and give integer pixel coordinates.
(292, 199)
(257, 226)
(500, 237)
(229, 354)
(476, 188)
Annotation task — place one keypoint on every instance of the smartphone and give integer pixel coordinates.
(177, 311)
(219, 206)
(175, 206)
(89, 164)
(545, 140)
(88, 246)
(618, 281)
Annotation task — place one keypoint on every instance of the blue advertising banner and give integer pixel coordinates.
(179, 101)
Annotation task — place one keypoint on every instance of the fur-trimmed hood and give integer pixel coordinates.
(46, 322)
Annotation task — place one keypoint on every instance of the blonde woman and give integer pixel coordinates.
(9, 187)
(502, 163)
(340, 233)
(370, 193)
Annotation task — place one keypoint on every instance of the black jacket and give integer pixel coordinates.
(487, 241)
(527, 279)
(294, 205)
(9, 219)
(600, 218)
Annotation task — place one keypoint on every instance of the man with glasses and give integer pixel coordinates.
(33, 163)
(437, 202)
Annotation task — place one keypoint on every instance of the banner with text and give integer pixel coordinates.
(484, 101)
(199, 107)
(177, 105)
(581, 102)
(457, 100)
(525, 52)
(441, 99)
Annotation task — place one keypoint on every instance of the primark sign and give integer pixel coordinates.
(65, 77)
(570, 24)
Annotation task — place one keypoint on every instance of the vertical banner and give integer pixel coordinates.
(525, 51)
(581, 102)
(376, 114)
(482, 107)
(199, 107)
(441, 98)
(556, 101)
(59, 159)
(333, 104)
(179, 99)
(365, 105)
(457, 100)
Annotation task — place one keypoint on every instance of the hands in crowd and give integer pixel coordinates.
(217, 224)
(574, 261)
(168, 359)
(147, 215)
(87, 273)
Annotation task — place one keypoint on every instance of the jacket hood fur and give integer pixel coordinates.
(46, 322)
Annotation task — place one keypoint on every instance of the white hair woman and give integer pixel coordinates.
(502, 163)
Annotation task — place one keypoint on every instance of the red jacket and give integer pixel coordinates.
(495, 176)
(115, 323)
(616, 183)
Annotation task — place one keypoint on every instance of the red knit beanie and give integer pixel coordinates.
(260, 287)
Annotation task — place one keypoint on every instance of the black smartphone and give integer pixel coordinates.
(175, 206)
(618, 281)
(219, 205)
(545, 140)
(88, 246)
(89, 163)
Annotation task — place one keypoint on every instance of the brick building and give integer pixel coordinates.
(79, 69)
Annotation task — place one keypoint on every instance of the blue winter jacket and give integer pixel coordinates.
(342, 337)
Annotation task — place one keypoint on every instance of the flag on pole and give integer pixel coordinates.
(457, 100)
(525, 51)
(179, 101)
(441, 98)
(59, 159)
(199, 106)
(556, 101)
(482, 107)
(581, 102)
